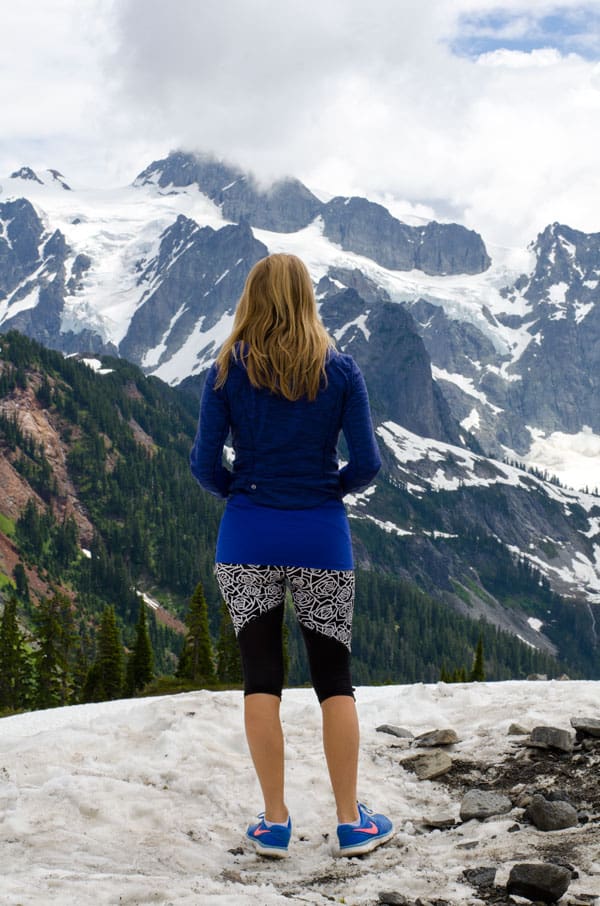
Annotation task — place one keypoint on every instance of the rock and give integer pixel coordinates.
(484, 876)
(429, 766)
(437, 738)
(537, 676)
(483, 804)
(400, 732)
(517, 730)
(587, 726)
(551, 738)
(549, 816)
(538, 881)
(558, 796)
(389, 898)
(440, 822)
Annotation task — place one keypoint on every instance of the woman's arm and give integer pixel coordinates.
(364, 459)
(213, 427)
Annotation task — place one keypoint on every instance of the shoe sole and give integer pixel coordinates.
(368, 846)
(270, 852)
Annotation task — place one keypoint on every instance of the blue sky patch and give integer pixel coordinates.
(567, 29)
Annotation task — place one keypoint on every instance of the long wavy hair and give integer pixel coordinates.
(277, 330)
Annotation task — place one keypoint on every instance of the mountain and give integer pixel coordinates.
(153, 271)
(100, 505)
(490, 353)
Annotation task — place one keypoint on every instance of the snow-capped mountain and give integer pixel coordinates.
(485, 349)
(153, 271)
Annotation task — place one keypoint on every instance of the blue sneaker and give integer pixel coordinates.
(270, 841)
(372, 831)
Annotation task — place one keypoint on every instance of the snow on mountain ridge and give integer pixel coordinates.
(120, 231)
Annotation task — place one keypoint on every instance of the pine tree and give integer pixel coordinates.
(196, 662)
(140, 663)
(55, 629)
(105, 677)
(15, 669)
(229, 662)
(478, 671)
(22, 585)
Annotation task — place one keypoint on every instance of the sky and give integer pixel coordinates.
(486, 113)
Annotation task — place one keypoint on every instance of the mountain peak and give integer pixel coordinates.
(51, 176)
(26, 173)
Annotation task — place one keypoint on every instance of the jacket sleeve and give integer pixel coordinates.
(364, 459)
(213, 428)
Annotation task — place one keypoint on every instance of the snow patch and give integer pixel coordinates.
(115, 802)
(96, 365)
(472, 421)
(360, 322)
(464, 383)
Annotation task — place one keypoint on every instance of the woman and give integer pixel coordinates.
(284, 392)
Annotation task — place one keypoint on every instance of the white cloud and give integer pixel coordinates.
(352, 98)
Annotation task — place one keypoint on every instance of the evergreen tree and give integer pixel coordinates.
(196, 662)
(105, 677)
(81, 667)
(478, 670)
(56, 634)
(21, 583)
(44, 393)
(229, 662)
(140, 663)
(15, 669)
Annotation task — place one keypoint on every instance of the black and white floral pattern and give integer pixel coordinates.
(323, 598)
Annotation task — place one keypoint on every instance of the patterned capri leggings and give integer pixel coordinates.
(324, 602)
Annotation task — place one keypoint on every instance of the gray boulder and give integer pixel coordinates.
(549, 816)
(586, 726)
(399, 732)
(483, 804)
(539, 881)
(445, 737)
(551, 738)
(429, 766)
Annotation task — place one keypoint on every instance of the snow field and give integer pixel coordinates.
(146, 801)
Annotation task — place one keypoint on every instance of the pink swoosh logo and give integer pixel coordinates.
(259, 831)
(373, 829)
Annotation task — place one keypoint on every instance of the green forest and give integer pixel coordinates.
(127, 440)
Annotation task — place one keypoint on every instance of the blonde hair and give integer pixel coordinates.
(282, 340)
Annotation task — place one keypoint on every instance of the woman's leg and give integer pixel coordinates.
(265, 741)
(262, 661)
(324, 603)
(341, 741)
(254, 596)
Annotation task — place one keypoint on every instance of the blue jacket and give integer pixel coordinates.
(286, 452)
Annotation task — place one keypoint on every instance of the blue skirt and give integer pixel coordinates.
(315, 538)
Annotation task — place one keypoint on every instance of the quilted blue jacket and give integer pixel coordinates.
(286, 451)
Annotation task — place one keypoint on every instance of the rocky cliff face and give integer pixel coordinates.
(32, 272)
(384, 341)
(20, 235)
(286, 207)
(195, 280)
(369, 229)
(354, 223)
(559, 371)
